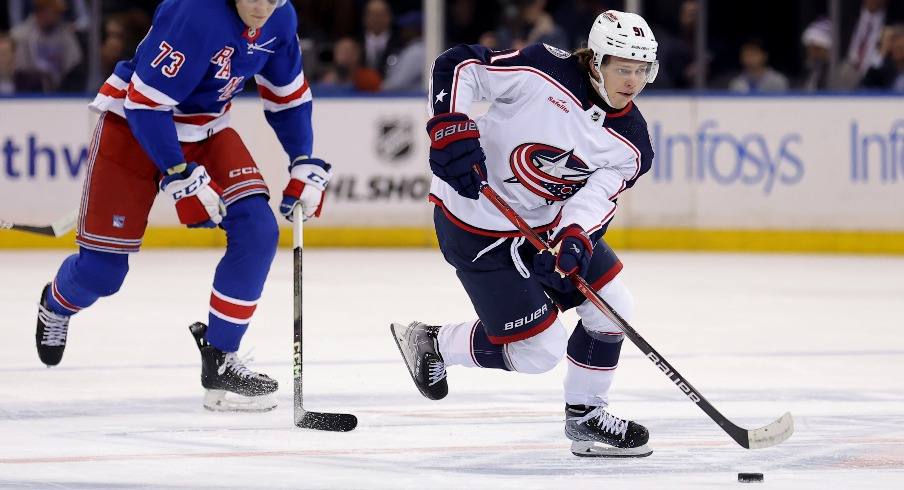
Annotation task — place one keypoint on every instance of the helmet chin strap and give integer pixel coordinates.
(601, 86)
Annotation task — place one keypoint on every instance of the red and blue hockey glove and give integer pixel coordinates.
(199, 201)
(454, 150)
(573, 253)
(308, 178)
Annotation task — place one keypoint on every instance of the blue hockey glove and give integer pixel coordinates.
(454, 150)
(308, 178)
(199, 201)
(573, 253)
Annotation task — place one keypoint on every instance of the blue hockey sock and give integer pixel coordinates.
(589, 351)
(84, 277)
(486, 353)
(252, 236)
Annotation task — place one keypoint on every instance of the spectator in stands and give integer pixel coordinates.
(14, 80)
(863, 50)
(817, 42)
(347, 72)
(527, 22)
(679, 66)
(405, 71)
(122, 33)
(488, 40)
(380, 39)
(47, 44)
(756, 74)
(467, 20)
(890, 74)
(77, 13)
(576, 18)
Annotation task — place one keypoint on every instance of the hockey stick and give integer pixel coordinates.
(56, 229)
(769, 435)
(339, 422)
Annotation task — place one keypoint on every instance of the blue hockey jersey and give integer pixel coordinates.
(196, 57)
(551, 152)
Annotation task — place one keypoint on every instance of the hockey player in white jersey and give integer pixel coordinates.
(560, 141)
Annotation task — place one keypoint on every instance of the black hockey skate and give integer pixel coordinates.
(420, 350)
(596, 433)
(231, 387)
(50, 337)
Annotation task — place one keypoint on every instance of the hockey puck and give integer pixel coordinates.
(750, 477)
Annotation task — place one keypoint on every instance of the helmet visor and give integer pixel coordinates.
(652, 71)
(649, 71)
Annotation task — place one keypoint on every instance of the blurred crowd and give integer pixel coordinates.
(368, 46)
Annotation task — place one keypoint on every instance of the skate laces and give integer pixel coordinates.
(55, 327)
(436, 368)
(236, 364)
(437, 371)
(606, 421)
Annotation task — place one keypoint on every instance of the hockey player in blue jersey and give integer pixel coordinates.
(164, 129)
(560, 141)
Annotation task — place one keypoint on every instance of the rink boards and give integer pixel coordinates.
(731, 173)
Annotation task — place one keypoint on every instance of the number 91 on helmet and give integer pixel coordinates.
(624, 35)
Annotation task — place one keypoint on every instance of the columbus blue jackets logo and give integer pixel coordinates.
(549, 172)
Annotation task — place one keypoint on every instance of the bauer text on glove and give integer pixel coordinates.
(455, 150)
(199, 201)
(573, 253)
(308, 178)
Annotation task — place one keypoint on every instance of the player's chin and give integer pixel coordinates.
(621, 100)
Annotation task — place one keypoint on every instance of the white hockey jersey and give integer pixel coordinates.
(551, 152)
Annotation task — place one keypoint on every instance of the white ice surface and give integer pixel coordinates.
(757, 335)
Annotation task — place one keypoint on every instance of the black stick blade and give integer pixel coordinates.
(336, 422)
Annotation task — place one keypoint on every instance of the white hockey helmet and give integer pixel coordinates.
(624, 35)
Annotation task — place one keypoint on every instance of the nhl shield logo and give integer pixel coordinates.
(395, 139)
(549, 172)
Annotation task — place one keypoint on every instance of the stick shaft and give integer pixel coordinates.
(336, 422)
(297, 239)
(740, 435)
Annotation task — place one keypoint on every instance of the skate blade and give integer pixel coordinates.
(225, 401)
(590, 449)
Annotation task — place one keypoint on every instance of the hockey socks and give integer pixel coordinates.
(467, 344)
(85, 277)
(591, 367)
(251, 235)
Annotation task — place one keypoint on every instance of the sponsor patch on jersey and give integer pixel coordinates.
(549, 172)
(557, 52)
